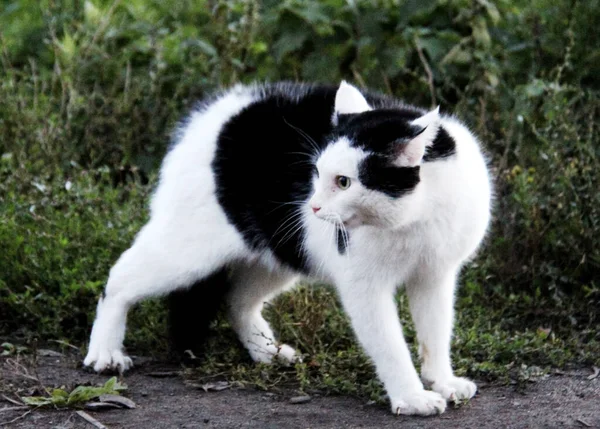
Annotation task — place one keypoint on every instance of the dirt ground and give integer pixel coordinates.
(568, 399)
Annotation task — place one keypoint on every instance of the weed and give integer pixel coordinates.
(79, 396)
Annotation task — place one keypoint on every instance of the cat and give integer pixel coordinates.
(275, 181)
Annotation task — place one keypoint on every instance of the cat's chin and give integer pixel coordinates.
(352, 222)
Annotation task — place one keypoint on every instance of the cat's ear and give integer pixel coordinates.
(426, 128)
(349, 100)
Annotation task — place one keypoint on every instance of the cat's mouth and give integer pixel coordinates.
(336, 219)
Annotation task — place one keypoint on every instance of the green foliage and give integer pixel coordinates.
(92, 89)
(491, 343)
(60, 398)
(9, 349)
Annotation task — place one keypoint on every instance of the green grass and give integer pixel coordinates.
(91, 92)
(490, 343)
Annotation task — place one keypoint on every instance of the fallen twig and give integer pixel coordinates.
(85, 416)
(20, 407)
(583, 422)
(163, 374)
(11, 400)
(19, 370)
(64, 343)
(595, 374)
(25, 414)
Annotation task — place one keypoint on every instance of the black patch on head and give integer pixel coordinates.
(377, 172)
(381, 133)
(378, 131)
(264, 165)
(443, 147)
(343, 240)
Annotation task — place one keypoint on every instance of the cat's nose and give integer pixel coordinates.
(315, 209)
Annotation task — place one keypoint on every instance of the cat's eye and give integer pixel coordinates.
(343, 182)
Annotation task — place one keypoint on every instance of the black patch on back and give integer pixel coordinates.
(377, 172)
(264, 165)
(443, 147)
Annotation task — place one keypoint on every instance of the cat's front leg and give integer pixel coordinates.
(431, 299)
(375, 321)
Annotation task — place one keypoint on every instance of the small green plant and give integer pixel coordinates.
(61, 398)
(9, 349)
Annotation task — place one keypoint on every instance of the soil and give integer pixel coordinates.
(563, 399)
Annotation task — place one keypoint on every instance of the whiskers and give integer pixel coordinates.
(335, 237)
(313, 145)
(342, 233)
(338, 238)
(291, 224)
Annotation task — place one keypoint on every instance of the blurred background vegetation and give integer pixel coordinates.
(90, 92)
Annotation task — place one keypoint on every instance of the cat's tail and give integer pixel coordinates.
(192, 310)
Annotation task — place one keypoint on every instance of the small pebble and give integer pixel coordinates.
(300, 399)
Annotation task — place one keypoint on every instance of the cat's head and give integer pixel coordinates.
(369, 173)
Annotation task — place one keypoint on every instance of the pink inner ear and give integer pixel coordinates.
(411, 154)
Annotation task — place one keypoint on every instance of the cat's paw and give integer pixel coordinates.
(419, 403)
(108, 360)
(455, 389)
(283, 353)
(288, 354)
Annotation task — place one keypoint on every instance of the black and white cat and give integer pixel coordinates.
(275, 181)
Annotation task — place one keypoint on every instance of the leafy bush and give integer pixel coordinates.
(91, 91)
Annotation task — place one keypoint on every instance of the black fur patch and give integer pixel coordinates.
(343, 240)
(264, 164)
(192, 310)
(377, 172)
(379, 131)
(443, 147)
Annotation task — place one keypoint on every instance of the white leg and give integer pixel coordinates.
(374, 317)
(153, 266)
(431, 299)
(253, 286)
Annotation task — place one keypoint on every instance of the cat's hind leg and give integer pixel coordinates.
(160, 261)
(252, 286)
(431, 300)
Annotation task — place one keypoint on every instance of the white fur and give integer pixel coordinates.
(348, 99)
(420, 240)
